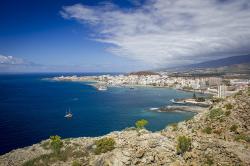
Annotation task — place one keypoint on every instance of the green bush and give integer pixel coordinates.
(56, 144)
(233, 128)
(228, 106)
(207, 130)
(104, 145)
(183, 145)
(215, 113)
(242, 137)
(76, 163)
(209, 160)
(174, 126)
(217, 100)
(140, 124)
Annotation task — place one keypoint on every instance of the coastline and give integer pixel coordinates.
(143, 147)
(195, 107)
(74, 96)
(96, 82)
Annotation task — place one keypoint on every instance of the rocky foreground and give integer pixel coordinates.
(219, 136)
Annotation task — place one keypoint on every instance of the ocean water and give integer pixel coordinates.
(32, 109)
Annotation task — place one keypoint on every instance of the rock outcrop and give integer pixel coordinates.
(219, 136)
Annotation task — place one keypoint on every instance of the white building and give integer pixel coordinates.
(221, 91)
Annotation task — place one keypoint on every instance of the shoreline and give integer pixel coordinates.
(169, 108)
(94, 82)
(195, 107)
(133, 147)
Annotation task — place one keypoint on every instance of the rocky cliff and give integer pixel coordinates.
(217, 136)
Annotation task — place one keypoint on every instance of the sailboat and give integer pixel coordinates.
(68, 114)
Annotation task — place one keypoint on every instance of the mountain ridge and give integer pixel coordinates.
(219, 63)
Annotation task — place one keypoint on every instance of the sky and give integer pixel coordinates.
(119, 35)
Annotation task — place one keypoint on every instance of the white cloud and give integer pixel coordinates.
(10, 60)
(167, 32)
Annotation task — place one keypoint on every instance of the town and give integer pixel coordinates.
(215, 85)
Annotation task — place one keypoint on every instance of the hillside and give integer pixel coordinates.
(225, 65)
(222, 62)
(218, 136)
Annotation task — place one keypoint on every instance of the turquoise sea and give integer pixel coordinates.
(32, 109)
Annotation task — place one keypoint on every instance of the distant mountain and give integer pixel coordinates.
(225, 63)
(234, 60)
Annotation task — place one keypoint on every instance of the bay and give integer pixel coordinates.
(32, 109)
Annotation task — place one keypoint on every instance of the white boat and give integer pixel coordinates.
(153, 109)
(68, 114)
(177, 102)
(102, 88)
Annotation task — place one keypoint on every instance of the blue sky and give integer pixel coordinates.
(119, 35)
(34, 31)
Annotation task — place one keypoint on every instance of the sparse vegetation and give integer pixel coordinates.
(242, 137)
(184, 144)
(228, 106)
(217, 131)
(227, 113)
(56, 144)
(45, 159)
(192, 130)
(76, 163)
(49, 159)
(209, 160)
(215, 113)
(174, 126)
(233, 128)
(207, 130)
(140, 124)
(217, 100)
(46, 145)
(104, 145)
